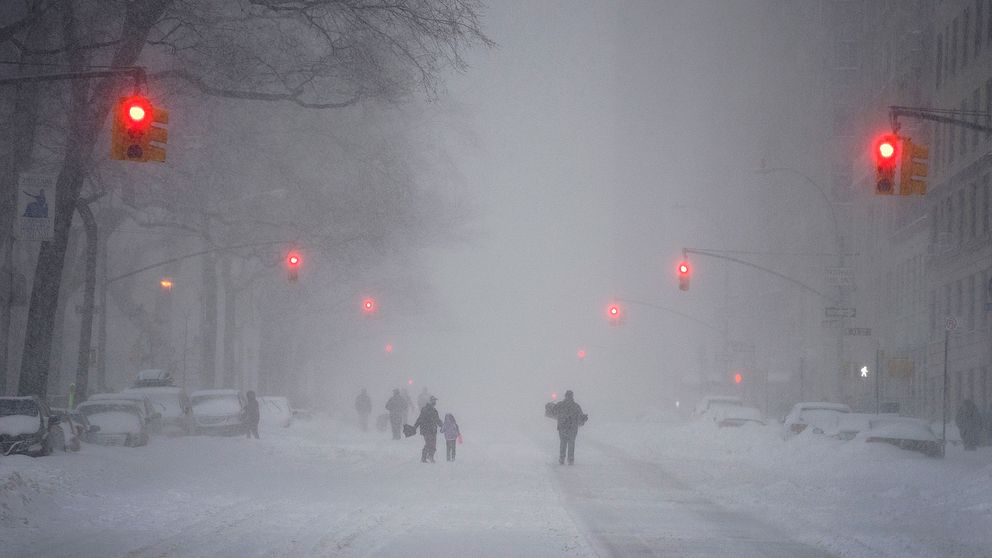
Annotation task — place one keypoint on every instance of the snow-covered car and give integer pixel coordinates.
(218, 411)
(172, 404)
(904, 433)
(710, 403)
(275, 410)
(152, 418)
(154, 377)
(28, 427)
(121, 422)
(302, 414)
(731, 416)
(75, 427)
(821, 417)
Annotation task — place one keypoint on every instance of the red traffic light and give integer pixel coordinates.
(738, 378)
(581, 353)
(683, 270)
(613, 311)
(886, 155)
(293, 259)
(389, 347)
(135, 112)
(368, 305)
(886, 150)
(554, 395)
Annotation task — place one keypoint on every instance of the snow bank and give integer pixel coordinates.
(116, 422)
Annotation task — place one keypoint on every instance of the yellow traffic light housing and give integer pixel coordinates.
(135, 131)
(913, 168)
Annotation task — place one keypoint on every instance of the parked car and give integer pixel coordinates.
(275, 409)
(732, 416)
(849, 425)
(218, 411)
(821, 417)
(154, 377)
(149, 413)
(172, 403)
(904, 433)
(302, 414)
(28, 427)
(121, 422)
(711, 402)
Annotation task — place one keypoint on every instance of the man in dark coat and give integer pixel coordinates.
(969, 422)
(397, 410)
(251, 415)
(570, 417)
(363, 404)
(429, 421)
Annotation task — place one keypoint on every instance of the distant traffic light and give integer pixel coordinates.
(368, 306)
(293, 261)
(886, 155)
(738, 378)
(615, 314)
(913, 168)
(389, 347)
(683, 273)
(581, 354)
(166, 284)
(134, 131)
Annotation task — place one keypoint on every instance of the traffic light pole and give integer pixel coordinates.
(137, 72)
(796, 282)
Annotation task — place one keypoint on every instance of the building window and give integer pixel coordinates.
(978, 26)
(965, 29)
(976, 105)
(971, 303)
(940, 58)
(985, 204)
(954, 47)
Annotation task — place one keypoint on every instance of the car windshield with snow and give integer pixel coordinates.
(120, 422)
(218, 411)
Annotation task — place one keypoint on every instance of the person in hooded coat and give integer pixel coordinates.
(397, 411)
(570, 417)
(969, 422)
(251, 415)
(451, 433)
(363, 405)
(428, 421)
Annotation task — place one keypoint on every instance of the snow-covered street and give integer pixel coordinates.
(322, 488)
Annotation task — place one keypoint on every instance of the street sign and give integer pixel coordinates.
(858, 331)
(834, 312)
(35, 218)
(840, 276)
(950, 323)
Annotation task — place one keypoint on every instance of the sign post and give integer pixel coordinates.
(35, 219)
(950, 324)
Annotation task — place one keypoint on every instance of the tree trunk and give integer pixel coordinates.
(87, 114)
(230, 299)
(208, 326)
(86, 327)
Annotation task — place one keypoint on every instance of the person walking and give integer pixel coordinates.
(969, 422)
(428, 421)
(251, 415)
(570, 417)
(363, 405)
(451, 435)
(397, 408)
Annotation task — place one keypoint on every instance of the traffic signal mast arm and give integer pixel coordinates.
(944, 116)
(795, 282)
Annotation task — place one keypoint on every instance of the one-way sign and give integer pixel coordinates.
(834, 312)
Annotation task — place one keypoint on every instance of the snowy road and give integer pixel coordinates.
(324, 489)
(645, 511)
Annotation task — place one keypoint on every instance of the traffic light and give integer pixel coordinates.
(389, 347)
(886, 154)
(368, 306)
(293, 261)
(683, 273)
(166, 284)
(913, 172)
(738, 378)
(134, 131)
(581, 354)
(615, 314)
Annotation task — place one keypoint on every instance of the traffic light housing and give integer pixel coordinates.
(135, 130)
(886, 155)
(913, 168)
(683, 271)
(293, 261)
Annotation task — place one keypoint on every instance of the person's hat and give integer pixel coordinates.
(432, 399)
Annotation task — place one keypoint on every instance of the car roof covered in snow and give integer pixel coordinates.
(901, 428)
(821, 406)
(153, 389)
(214, 392)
